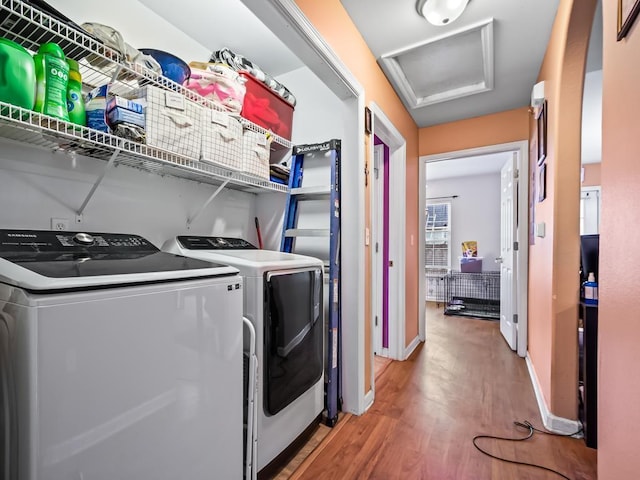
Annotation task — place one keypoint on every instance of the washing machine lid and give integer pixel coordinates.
(38, 260)
(248, 259)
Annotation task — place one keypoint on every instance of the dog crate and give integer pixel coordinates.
(435, 279)
(472, 294)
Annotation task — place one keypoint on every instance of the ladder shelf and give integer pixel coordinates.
(320, 187)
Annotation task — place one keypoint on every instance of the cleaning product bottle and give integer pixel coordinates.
(52, 76)
(17, 75)
(591, 290)
(75, 102)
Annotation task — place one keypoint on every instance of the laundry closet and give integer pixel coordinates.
(41, 184)
(82, 189)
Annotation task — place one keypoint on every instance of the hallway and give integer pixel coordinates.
(464, 381)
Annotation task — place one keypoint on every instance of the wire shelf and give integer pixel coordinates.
(99, 64)
(46, 132)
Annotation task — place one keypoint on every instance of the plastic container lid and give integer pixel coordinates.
(13, 44)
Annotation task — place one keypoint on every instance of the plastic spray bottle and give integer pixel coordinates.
(52, 77)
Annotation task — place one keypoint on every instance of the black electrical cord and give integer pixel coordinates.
(526, 424)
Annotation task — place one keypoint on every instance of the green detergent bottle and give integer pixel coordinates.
(75, 102)
(52, 77)
(17, 75)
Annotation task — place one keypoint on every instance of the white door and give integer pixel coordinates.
(377, 227)
(508, 230)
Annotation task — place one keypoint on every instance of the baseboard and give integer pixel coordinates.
(412, 346)
(551, 422)
(368, 400)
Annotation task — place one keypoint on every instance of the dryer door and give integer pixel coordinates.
(293, 335)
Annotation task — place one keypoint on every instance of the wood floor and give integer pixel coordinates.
(463, 382)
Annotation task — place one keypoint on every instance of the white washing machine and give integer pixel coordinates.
(283, 300)
(117, 360)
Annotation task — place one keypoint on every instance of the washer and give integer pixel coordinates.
(117, 360)
(283, 300)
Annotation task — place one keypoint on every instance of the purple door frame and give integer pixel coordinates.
(385, 245)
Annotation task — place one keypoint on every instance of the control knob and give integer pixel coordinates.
(83, 239)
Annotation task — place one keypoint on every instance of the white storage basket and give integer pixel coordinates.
(255, 154)
(221, 139)
(172, 122)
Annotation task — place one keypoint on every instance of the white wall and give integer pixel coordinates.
(475, 214)
(36, 185)
(318, 113)
(592, 118)
(317, 117)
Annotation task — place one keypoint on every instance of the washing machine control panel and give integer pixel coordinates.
(214, 243)
(60, 254)
(54, 241)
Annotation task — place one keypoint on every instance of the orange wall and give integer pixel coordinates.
(334, 24)
(591, 175)
(619, 282)
(554, 260)
(503, 127)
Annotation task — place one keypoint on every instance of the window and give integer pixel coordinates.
(437, 248)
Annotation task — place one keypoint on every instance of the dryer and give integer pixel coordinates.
(117, 360)
(283, 300)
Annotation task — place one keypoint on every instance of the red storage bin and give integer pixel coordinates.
(266, 108)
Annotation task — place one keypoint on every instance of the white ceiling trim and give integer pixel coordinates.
(394, 71)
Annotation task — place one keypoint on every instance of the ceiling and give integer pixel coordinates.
(463, 167)
(192, 31)
(521, 31)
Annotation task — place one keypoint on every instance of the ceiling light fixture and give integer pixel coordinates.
(441, 12)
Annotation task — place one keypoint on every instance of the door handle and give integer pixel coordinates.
(391, 263)
(499, 260)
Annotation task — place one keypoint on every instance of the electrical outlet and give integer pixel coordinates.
(59, 223)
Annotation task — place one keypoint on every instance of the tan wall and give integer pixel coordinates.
(591, 175)
(334, 24)
(554, 260)
(503, 127)
(619, 282)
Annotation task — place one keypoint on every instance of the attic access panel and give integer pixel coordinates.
(451, 66)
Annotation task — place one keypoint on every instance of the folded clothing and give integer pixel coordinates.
(218, 83)
(275, 179)
(279, 173)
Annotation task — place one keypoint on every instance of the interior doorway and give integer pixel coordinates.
(387, 200)
(478, 161)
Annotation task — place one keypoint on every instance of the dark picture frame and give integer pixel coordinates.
(367, 120)
(541, 124)
(628, 11)
(542, 182)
